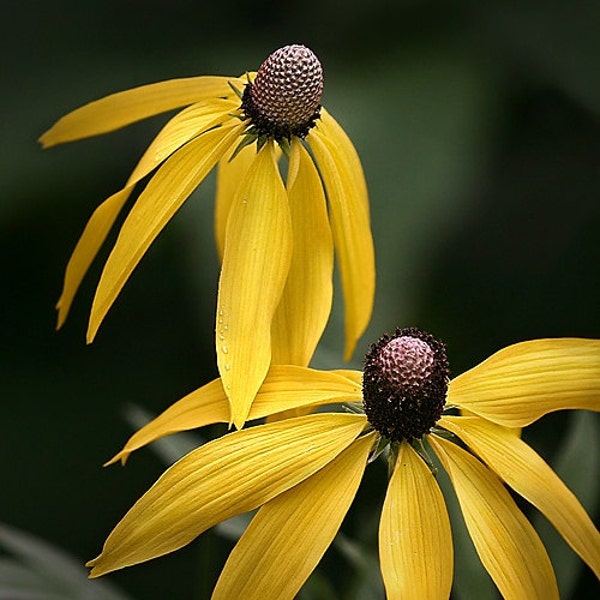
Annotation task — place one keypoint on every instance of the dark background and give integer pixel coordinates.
(477, 124)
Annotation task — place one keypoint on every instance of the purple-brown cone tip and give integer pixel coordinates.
(405, 382)
(284, 98)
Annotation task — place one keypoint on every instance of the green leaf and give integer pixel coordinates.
(40, 571)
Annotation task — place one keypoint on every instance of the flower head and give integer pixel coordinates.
(405, 381)
(275, 240)
(284, 99)
(311, 467)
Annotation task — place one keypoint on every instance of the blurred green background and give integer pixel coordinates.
(477, 124)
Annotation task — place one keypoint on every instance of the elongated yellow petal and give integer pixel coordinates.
(228, 476)
(415, 540)
(288, 386)
(306, 301)
(350, 224)
(355, 376)
(123, 108)
(178, 131)
(529, 475)
(285, 388)
(507, 544)
(184, 126)
(256, 261)
(230, 173)
(332, 130)
(87, 247)
(163, 196)
(289, 535)
(203, 406)
(521, 383)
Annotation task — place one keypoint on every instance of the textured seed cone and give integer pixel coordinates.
(405, 382)
(285, 97)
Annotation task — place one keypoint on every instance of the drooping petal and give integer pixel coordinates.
(350, 222)
(332, 130)
(184, 126)
(521, 383)
(530, 476)
(305, 303)
(289, 535)
(87, 247)
(228, 476)
(176, 132)
(507, 544)
(123, 108)
(165, 193)
(256, 261)
(286, 387)
(230, 173)
(415, 540)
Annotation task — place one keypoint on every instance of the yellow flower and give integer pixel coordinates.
(275, 240)
(303, 473)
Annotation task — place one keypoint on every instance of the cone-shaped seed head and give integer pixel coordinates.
(284, 99)
(405, 383)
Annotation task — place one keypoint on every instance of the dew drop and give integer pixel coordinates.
(227, 367)
(224, 349)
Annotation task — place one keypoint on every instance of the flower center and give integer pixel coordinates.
(284, 99)
(405, 381)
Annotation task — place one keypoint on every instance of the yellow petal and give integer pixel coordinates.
(228, 476)
(507, 544)
(285, 388)
(355, 376)
(87, 247)
(332, 130)
(203, 406)
(184, 126)
(350, 223)
(178, 131)
(120, 109)
(415, 540)
(290, 414)
(163, 196)
(530, 476)
(521, 383)
(288, 386)
(230, 173)
(289, 535)
(305, 304)
(258, 248)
